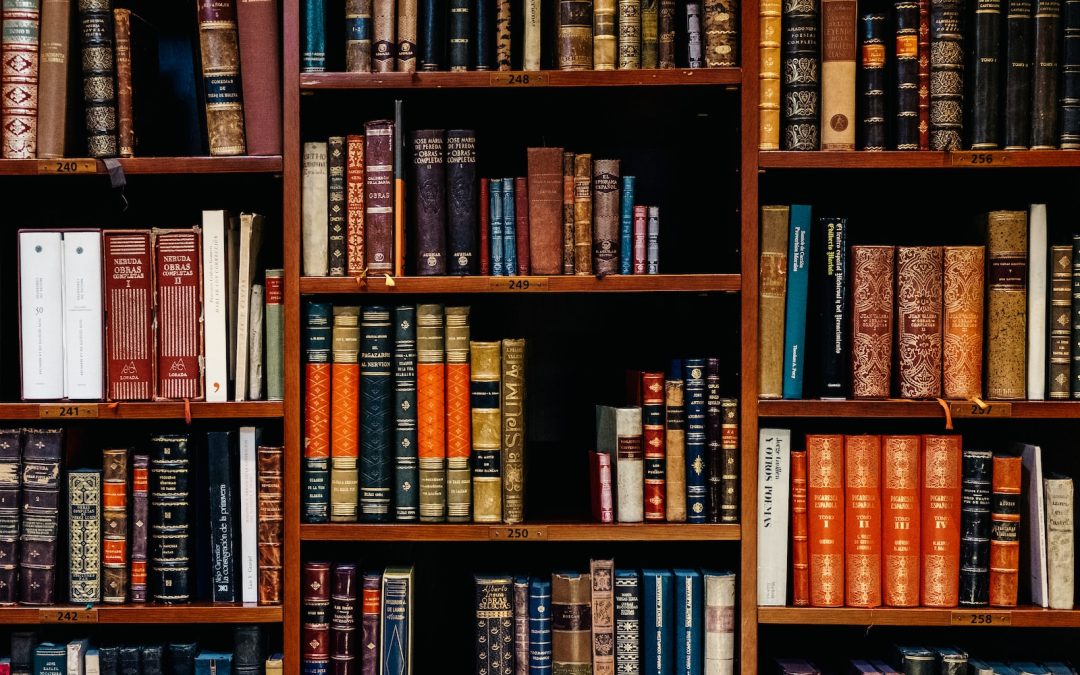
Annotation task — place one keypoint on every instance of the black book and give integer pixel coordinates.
(461, 28)
(99, 77)
(170, 522)
(907, 74)
(432, 17)
(40, 513)
(946, 74)
(801, 68)
(831, 285)
(427, 187)
(483, 52)
(22, 652)
(985, 79)
(109, 660)
(1018, 74)
(130, 661)
(249, 650)
(1074, 386)
(221, 478)
(714, 462)
(335, 205)
(975, 528)
(153, 659)
(461, 201)
(1070, 78)
(495, 623)
(406, 463)
(873, 81)
(1044, 75)
(376, 414)
(10, 479)
(181, 658)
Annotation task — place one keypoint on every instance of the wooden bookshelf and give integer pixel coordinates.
(522, 80)
(142, 165)
(988, 617)
(898, 159)
(912, 409)
(521, 532)
(674, 283)
(194, 613)
(157, 410)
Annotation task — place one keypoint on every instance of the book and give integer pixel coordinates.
(84, 536)
(720, 33)
(495, 236)
(583, 209)
(871, 320)
(539, 626)
(798, 273)
(255, 343)
(907, 74)
(371, 608)
(665, 30)
(986, 77)
(50, 659)
(53, 68)
(275, 348)
(179, 346)
(825, 512)
(114, 525)
(502, 35)
(714, 458)
(494, 624)
(626, 225)
(384, 44)
(521, 225)
(83, 321)
(521, 623)
(345, 425)
(531, 17)
(97, 40)
(800, 556)
(1060, 539)
(649, 33)
(39, 509)
(1018, 73)
(128, 310)
(397, 621)
(629, 34)
(694, 377)
(963, 270)
(919, 320)
(376, 416)
(799, 86)
(675, 444)
(10, 504)
(600, 486)
(1032, 529)
(627, 601)
(379, 140)
(405, 58)
(509, 229)
(652, 241)
(486, 414)
(1070, 83)
(769, 65)
(337, 261)
(513, 430)
(1006, 304)
(569, 211)
(619, 435)
(428, 186)
(941, 472)
(41, 318)
(140, 507)
(221, 476)
(315, 216)
(215, 304)
(872, 94)
(251, 225)
(719, 622)
(545, 206)
(774, 462)
(831, 275)
(249, 649)
(1059, 373)
(260, 68)
(458, 417)
(315, 616)
(640, 236)
(431, 38)
(431, 411)
(976, 473)
(461, 202)
(946, 75)
(901, 520)
(571, 622)
(406, 497)
(354, 201)
(460, 36)
(1036, 303)
(170, 555)
(271, 525)
(343, 617)
(221, 73)
(838, 46)
(606, 215)
(772, 296)
(658, 619)
(313, 42)
(653, 437)
(1045, 64)
(210, 663)
(689, 621)
(601, 575)
(693, 35)
(317, 405)
(862, 520)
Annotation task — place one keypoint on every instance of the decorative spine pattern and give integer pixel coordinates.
(800, 83)
(19, 79)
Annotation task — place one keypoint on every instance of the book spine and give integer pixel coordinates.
(539, 627)
(271, 523)
(531, 18)
(862, 526)
(495, 624)
(649, 30)
(460, 26)
(81, 302)
(986, 75)
(719, 622)
(1019, 71)
(428, 186)
(140, 511)
(924, 74)
(689, 616)
(461, 201)
(521, 625)
(358, 36)
(571, 623)
(583, 215)
(714, 459)
(498, 264)
(626, 226)
(825, 512)
(396, 633)
(1070, 77)
(772, 294)
(604, 30)
(1036, 303)
(627, 599)
(977, 467)
(513, 430)
(1006, 305)
(221, 74)
(10, 494)
(801, 61)
(114, 501)
(313, 47)
(315, 617)
(641, 226)
(335, 206)
(317, 397)
(769, 63)
(694, 378)
(835, 318)
(406, 468)
(569, 212)
(605, 251)
(693, 35)
(376, 370)
(458, 417)
(405, 57)
(798, 275)
(502, 35)
(124, 110)
(521, 224)
(315, 217)
(941, 475)
(275, 322)
(652, 241)
(486, 414)
(509, 236)
(901, 520)
(946, 75)
(431, 407)
(546, 201)
(379, 202)
(40, 512)
(658, 618)
(1059, 375)
(675, 445)
(729, 460)
(871, 320)
(52, 103)
(371, 614)
(873, 81)
(432, 40)
(84, 532)
(838, 47)
(1059, 541)
(575, 42)
(1005, 530)
(665, 30)
(223, 543)
(99, 77)
(260, 68)
(179, 313)
(345, 401)
(721, 33)
(129, 284)
(964, 270)
(907, 74)
(652, 419)
(800, 556)
(629, 34)
(385, 47)
(343, 618)
(918, 320)
(1074, 323)
(601, 575)
(170, 507)
(485, 227)
(1045, 73)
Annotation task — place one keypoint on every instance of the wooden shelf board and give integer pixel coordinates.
(146, 410)
(496, 532)
(153, 165)
(905, 408)
(554, 284)
(552, 78)
(895, 159)
(1024, 617)
(199, 612)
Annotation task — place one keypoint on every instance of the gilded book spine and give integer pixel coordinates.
(862, 526)
(714, 460)
(19, 78)
(170, 523)
(602, 575)
(271, 523)
(825, 510)
(605, 206)
(924, 74)
(494, 625)
(1006, 305)
(428, 185)
(729, 460)
(907, 74)
(569, 212)
(486, 413)
(221, 76)
(918, 323)
(461, 201)
(583, 215)
(975, 528)
(900, 528)
(769, 67)
(405, 56)
(114, 547)
(800, 555)
(1061, 280)
(431, 410)
(179, 314)
(871, 320)
(406, 469)
(946, 74)
(458, 418)
(379, 200)
(801, 82)
(10, 481)
(40, 502)
(384, 45)
(317, 396)
(358, 36)
(838, 46)
(604, 29)
(99, 77)
(721, 33)
(873, 81)
(140, 509)
(315, 617)
(630, 18)
(84, 532)
(336, 215)
(1074, 324)
(652, 420)
(941, 474)
(371, 610)
(344, 426)
(1005, 530)
(772, 293)
(665, 30)
(575, 35)
(513, 428)
(963, 321)
(376, 415)
(694, 376)
(649, 30)
(343, 622)
(571, 623)
(675, 445)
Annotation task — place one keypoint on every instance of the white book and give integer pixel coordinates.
(619, 434)
(250, 243)
(719, 622)
(1059, 541)
(1035, 525)
(83, 316)
(531, 18)
(774, 488)
(76, 657)
(255, 344)
(92, 662)
(232, 270)
(215, 305)
(314, 216)
(1036, 303)
(41, 314)
(249, 564)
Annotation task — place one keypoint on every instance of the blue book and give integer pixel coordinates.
(795, 314)
(1056, 668)
(627, 621)
(181, 106)
(396, 633)
(694, 400)
(498, 267)
(317, 343)
(657, 617)
(215, 663)
(50, 659)
(406, 464)
(540, 626)
(317, 667)
(313, 49)
(1000, 668)
(376, 388)
(509, 228)
(689, 622)
(223, 554)
(1028, 668)
(626, 226)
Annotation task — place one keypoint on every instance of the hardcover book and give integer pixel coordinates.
(768, 61)
(221, 477)
(431, 411)
(901, 521)
(719, 622)
(800, 554)
(129, 327)
(345, 427)
(140, 510)
(571, 622)
(179, 312)
(461, 202)
(627, 621)
(583, 201)
(371, 609)
(546, 209)
(872, 29)
(428, 186)
(714, 457)
(774, 461)
(354, 203)
(941, 474)
(1006, 304)
(1036, 303)
(835, 321)
(1018, 73)
(862, 520)
(1059, 374)
(601, 574)
(795, 320)
(397, 621)
(871, 320)
(486, 414)
(1060, 540)
(946, 74)
(694, 376)
(406, 469)
(618, 435)
(379, 206)
(376, 429)
(521, 225)
(114, 525)
(458, 417)
(689, 621)
(84, 534)
(653, 437)
(825, 509)
(1045, 65)
(271, 517)
(629, 34)
(986, 75)
(907, 74)
(317, 402)
(10, 495)
(40, 512)
(41, 319)
(772, 294)
(800, 83)
(52, 99)
(606, 216)
(171, 554)
(1032, 524)
(260, 70)
(221, 76)
(83, 321)
(539, 626)
(918, 320)
(336, 206)
(513, 431)
(838, 47)
(315, 217)
(315, 617)
(99, 77)
(521, 625)
(962, 351)
(343, 618)
(658, 619)
(977, 468)
(675, 444)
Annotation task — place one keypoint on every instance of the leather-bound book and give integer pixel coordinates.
(1006, 305)
(799, 87)
(379, 206)
(575, 42)
(513, 427)
(337, 260)
(873, 80)
(583, 214)
(918, 320)
(649, 31)
(962, 355)
(223, 521)
(221, 74)
(461, 202)
(181, 658)
(769, 63)
(653, 436)
(1045, 73)
(315, 617)
(540, 625)
(428, 188)
(314, 185)
(871, 320)
(605, 216)
(1060, 540)
(719, 622)
(1059, 374)
(862, 520)
(260, 72)
(924, 74)
(502, 34)
(431, 39)
(458, 417)
(271, 523)
(1074, 323)
(343, 610)
(627, 621)
(129, 329)
(946, 75)
(405, 58)
(10, 481)
(600, 487)
(431, 411)
(694, 377)
(509, 227)
(313, 40)
(714, 459)
(140, 516)
(171, 554)
(531, 18)
(249, 650)
(1070, 77)
(693, 35)
(19, 79)
(84, 536)
(629, 34)
(569, 211)
(1005, 530)
(603, 38)
(384, 46)
(652, 242)
(639, 228)
(521, 624)
(900, 527)
(941, 475)
(344, 422)
(354, 205)
(675, 444)
(825, 514)
(486, 414)
(1018, 73)
(498, 264)
(151, 657)
(800, 555)
(406, 469)
(460, 29)
(485, 226)
(907, 74)
(485, 40)
(602, 576)
(665, 30)
(114, 525)
(398, 587)
(835, 349)
(985, 94)
(317, 393)
(721, 33)
(571, 622)
(772, 294)
(130, 660)
(494, 624)
(521, 224)
(125, 111)
(358, 36)
(52, 103)
(626, 225)
(838, 46)
(545, 207)
(178, 258)
(975, 528)
(371, 611)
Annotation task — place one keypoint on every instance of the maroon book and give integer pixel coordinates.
(521, 223)
(179, 302)
(640, 222)
(316, 612)
(600, 480)
(379, 197)
(485, 226)
(129, 327)
(260, 74)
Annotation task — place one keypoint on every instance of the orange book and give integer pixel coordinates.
(458, 417)
(900, 506)
(862, 520)
(345, 420)
(1004, 530)
(431, 411)
(941, 520)
(825, 516)
(800, 556)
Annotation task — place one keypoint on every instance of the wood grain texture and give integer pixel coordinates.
(1027, 617)
(556, 284)
(898, 159)
(152, 410)
(905, 408)
(196, 612)
(555, 78)
(554, 532)
(161, 165)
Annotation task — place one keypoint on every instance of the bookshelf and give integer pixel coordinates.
(141, 165)
(546, 78)
(530, 532)
(194, 613)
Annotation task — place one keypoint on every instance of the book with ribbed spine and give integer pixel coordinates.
(694, 50)
(601, 579)
(946, 74)
(313, 42)
(1018, 73)
(1005, 530)
(918, 320)
(114, 525)
(901, 521)
(460, 30)
(658, 619)
(838, 61)
(719, 622)
(800, 556)
(653, 437)
(84, 534)
(583, 214)
(941, 490)
(140, 510)
(376, 431)
(379, 139)
(1060, 538)
(906, 13)
(221, 76)
(689, 621)
(1074, 323)
(665, 33)
(627, 621)
(604, 32)
(509, 229)
(619, 436)
(605, 216)
(345, 425)
(675, 445)
(695, 469)
(871, 320)
(962, 321)
(179, 313)
(370, 618)
(271, 523)
(862, 520)
(99, 77)
(772, 295)
(924, 74)
(521, 625)
(629, 34)
(714, 459)
(1070, 76)
(170, 534)
(10, 493)
(486, 414)
(639, 236)
(1006, 304)
(317, 393)
(539, 626)
(315, 618)
(825, 510)
(129, 291)
(19, 69)
(1045, 63)
(405, 56)
(431, 410)
(406, 470)
(1059, 374)
(40, 511)
(649, 33)
(461, 202)
(494, 624)
(832, 256)
(769, 66)
(343, 617)
(872, 65)
(458, 417)
(221, 476)
(521, 225)
(513, 430)
(428, 186)
(336, 159)
(569, 212)
(798, 275)
(571, 622)
(52, 95)
(986, 75)
(977, 468)
(354, 205)
(384, 45)
(397, 608)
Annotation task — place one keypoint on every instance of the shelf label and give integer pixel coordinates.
(980, 618)
(520, 533)
(532, 78)
(67, 615)
(971, 409)
(518, 284)
(79, 411)
(51, 166)
(976, 158)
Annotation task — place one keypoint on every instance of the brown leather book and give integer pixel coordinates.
(124, 106)
(900, 525)
(221, 73)
(675, 443)
(769, 66)
(583, 214)
(721, 33)
(19, 80)
(962, 355)
(825, 512)
(1005, 530)
(571, 622)
(862, 520)
(665, 30)
(800, 555)
(871, 320)
(1006, 305)
(114, 529)
(838, 61)
(941, 520)
(602, 575)
(406, 37)
(1060, 321)
(521, 224)
(568, 212)
(260, 73)
(918, 321)
(772, 293)
(271, 525)
(354, 204)
(575, 34)
(383, 33)
(358, 47)
(604, 29)
(379, 202)
(53, 71)
(545, 209)
(606, 216)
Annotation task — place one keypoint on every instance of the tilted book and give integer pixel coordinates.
(539, 626)
(179, 312)
(1006, 304)
(140, 509)
(800, 555)
(653, 437)
(658, 619)
(41, 317)
(486, 415)
(1032, 530)
(224, 510)
(114, 525)
(1005, 517)
(40, 512)
(458, 417)
(315, 500)
(314, 216)
(901, 521)
(431, 410)
(406, 469)
(271, 523)
(251, 225)
(862, 520)
(871, 320)
(774, 459)
(798, 273)
(129, 327)
(428, 199)
(171, 554)
(345, 425)
(618, 434)
(337, 261)
(84, 536)
(962, 321)
(772, 295)
(462, 209)
(825, 511)
(275, 335)
(397, 620)
(975, 527)
(546, 210)
(941, 474)
(602, 578)
(571, 622)
(494, 625)
(376, 415)
(10, 493)
(83, 318)
(221, 77)
(1060, 538)
(675, 444)
(1036, 303)
(918, 321)
(719, 623)
(315, 617)
(513, 430)
(694, 376)
(627, 621)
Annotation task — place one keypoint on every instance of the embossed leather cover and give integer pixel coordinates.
(900, 530)
(405, 58)
(606, 216)
(600, 487)
(652, 242)
(221, 475)
(721, 33)
(1045, 73)
(924, 74)
(271, 528)
(907, 74)
(985, 100)
(178, 265)
(52, 103)
(1060, 540)
(539, 625)
(384, 46)
(376, 415)
(431, 406)
(862, 520)
(502, 35)
(124, 107)
(335, 206)
(10, 481)
(140, 519)
(486, 414)
(639, 229)
(19, 79)
(317, 393)
(114, 525)
(571, 622)
(379, 206)
(941, 475)
(975, 528)
(962, 359)
(649, 32)
(1005, 530)
(485, 226)
(345, 425)
(428, 194)
(871, 320)
(458, 417)
(84, 536)
(838, 46)
(358, 26)
(371, 609)
(521, 625)
(604, 30)
(772, 293)
(521, 225)
(406, 471)
(575, 45)
(666, 33)
(171, 554)
(1006, 305)
(545, 207)
(825, 510)
(801, 63)
(583, 214)
(260, 72)
(918, 320)
(343, 638)
(40, 509)
(1018, 73)
(461, 201)
(714, 459)
(1070, 77)
(800, 554)
(653, 434)
(769, 71)
(129, 330)
(1060, 322)
(513, 430)
(221, 73)
(629, 34)
(460, 28)
(873, 80)
(695, 391)
(569, 212)
(602, 577)
(494, 624)
(675, 444)
(946, 74)
(397, 620)
(315, 615)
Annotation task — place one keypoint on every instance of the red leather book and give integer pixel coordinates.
(485, 226)
(941, 520)
(1004, 530)
(354, 204)
(260, 74)
(924, 74)
(178, 256)
(862, 520)
(545, 209)
(19, 80)
(379, 197)
(653, 435)
(521, 223)
(871, 320)
(800, 555)
(825, 517)
(271, 527)
(345, 423)
(129, 307)
(918, 321)
(316, 612)
(603, 506)
(900, 523)
(140, 507)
